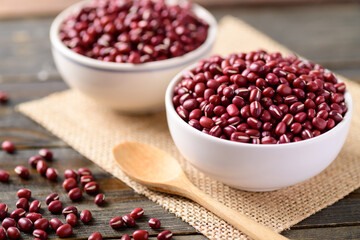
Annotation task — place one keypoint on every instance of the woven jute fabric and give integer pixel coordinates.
(94, 130)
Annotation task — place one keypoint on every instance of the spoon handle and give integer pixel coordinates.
(240, 221)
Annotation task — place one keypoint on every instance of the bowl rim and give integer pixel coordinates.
(170, 109)
(185, 59)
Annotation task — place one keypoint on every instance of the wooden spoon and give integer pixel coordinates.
(159, 171)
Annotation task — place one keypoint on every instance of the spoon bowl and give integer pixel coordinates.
(148, 169)
(157, 170)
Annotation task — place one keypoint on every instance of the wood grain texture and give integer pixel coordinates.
(28, 72)
(26, 8)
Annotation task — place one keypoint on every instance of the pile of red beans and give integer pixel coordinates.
(260, 98)
(27, 218)
(133, 31)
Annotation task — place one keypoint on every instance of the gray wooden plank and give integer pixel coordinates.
(324, 33)
(119, 197)
(328, 34)
(335, 233)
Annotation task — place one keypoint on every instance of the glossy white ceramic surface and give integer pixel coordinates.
(256, 167)
(124, 86)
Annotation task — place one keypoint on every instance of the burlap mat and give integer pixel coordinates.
(94, 130)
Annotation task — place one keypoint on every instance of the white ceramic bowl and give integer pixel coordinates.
(255, 167)
(123, 86)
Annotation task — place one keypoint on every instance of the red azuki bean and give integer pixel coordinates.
(69, 173)
(55, 223)
(125, 237)
(75, 194)
(255, 95)
(3, 210)
(46, 154)
(71, 219)
(34, 160)
(91, 188)
(300, 117)
(51, 174)
(17, 214)
(116, 222)
(268, 140)
(55, 206)
(42, 224)
(22, 172)
(272, 79)
(8, 146)
(297, 107)
(335, 115)
(22, 203)
(164, 235)
(86, 179)
(69, 209)
(85, 216)
(283, 90)
(330, 123)
(99, 199)
(84, 172)
(306, 134)
(240, 137)
(2, 233)
(154, 223)
(64, 230)
(137, 213)
(309, 103)
(39, 233)
(275, 112)
(51, 197)
(280, 129)
(284, 139)
(25, 224)
(252, 133)
(129, 221)
(13, 233)
(35, 206)
(4, 176)
(206, 122)
(8, 222)
(288, 119)
(95, 236)
(254, 123)
(41, 167)
(307, 124)
(255, 109)
(141, 235)
(33, 216)
(232, 110)
(69, 184)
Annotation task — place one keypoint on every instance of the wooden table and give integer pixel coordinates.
(328, 34)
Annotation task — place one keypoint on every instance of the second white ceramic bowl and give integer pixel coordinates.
(123, 86)
(256, 167)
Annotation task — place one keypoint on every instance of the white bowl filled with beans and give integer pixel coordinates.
(124, 53)
(258, 121)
